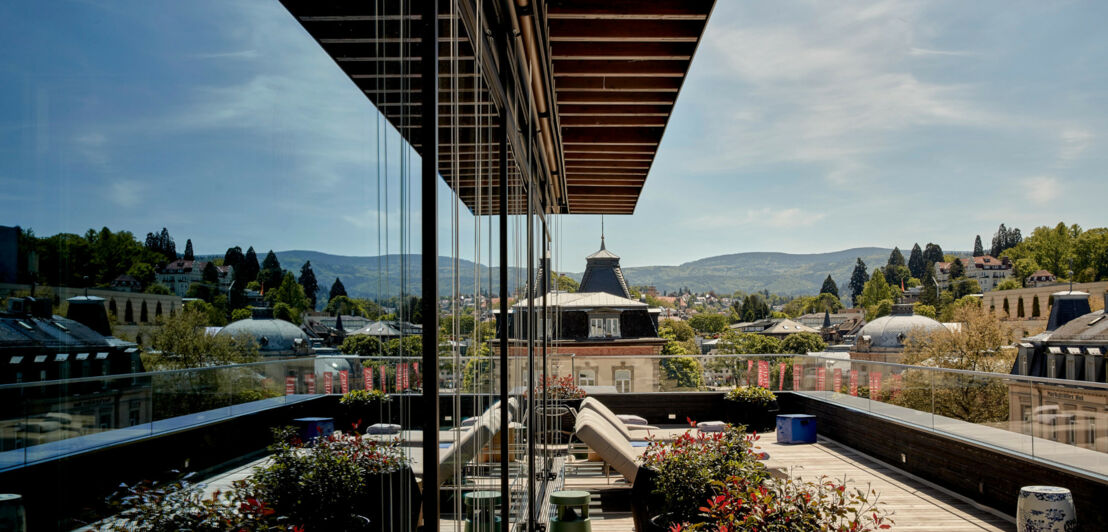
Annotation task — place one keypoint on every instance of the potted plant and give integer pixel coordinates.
(753, 406)
(362, 408)
(676, 476)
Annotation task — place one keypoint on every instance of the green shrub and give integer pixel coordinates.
(755, 395)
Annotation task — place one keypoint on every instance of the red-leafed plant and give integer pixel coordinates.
(559, 388)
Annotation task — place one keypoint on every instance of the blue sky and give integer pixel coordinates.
(803, 127)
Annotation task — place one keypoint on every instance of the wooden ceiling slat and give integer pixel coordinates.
(671, 51)
(613, 84)
(613, 121)
(613, 110)
(630, 9)
(615, 98)
(618, 68)
(566, 30)
(621, 135)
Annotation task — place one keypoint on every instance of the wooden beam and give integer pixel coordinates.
(612, 121)
(565, 110)
(612, 84)
(630, 9)
(615, 98)
(649, 136)
(617, 68)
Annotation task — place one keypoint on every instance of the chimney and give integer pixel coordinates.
(90, 311)
(1067, 306)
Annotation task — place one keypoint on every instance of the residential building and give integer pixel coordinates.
(987, 270)
(180, 274)
(1041, 278)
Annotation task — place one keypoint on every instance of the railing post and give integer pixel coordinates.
(429, 129)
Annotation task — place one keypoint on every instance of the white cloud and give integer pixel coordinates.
(1074, 141)
(1041, 189)
(126, 192)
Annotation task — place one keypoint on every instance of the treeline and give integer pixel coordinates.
(94, 259)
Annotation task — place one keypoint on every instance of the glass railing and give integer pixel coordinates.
(1055, 420)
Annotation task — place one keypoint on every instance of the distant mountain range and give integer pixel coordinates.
(781, 273)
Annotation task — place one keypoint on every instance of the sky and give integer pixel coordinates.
(802, 127)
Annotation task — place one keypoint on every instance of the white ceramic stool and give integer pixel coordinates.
(1045, 508)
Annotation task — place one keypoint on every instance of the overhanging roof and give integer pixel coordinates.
(609, 72)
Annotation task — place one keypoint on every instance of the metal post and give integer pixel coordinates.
(429, 129)
(505, 428)
(530, 294)
(544, 283)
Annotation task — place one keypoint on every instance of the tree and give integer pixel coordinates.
(292, 295)
(308, 282)
(211, 273)
(981, 344)
(877, 296)
(1019, 307)
(283, 311)
(188, 250)
(1009, 284)
(964, 287)
(829, 287)
(143, 273)
(337, 289)
(684, 371)
(932, 253)
(1005, 239)
(250, 268)
(916, 264)
(1022, 268)
(162, 244)
(803, 343)
(240, 314)
(978, 249)
(754, 308)
(234, 258)
(858, 280)
(708, 323)
(925, 310)
(1007, 309)
(897, 276)
(362, 345)
(565, 283)
(183, 343)
(749, 344)
(157, 288)
(681, 330)
(271, 274)
(896, 258)
(957, 270)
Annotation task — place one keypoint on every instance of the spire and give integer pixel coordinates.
(602, 232)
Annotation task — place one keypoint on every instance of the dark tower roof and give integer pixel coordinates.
(603, 274)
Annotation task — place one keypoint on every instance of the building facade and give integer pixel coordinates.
(180, 274)
(987, 270)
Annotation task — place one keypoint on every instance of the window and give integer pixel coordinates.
(623, 380)
(604, 327)
(586, 377)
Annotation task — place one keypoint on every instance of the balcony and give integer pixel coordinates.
(953, 450)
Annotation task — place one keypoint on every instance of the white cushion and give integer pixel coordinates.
(383, 428)
(630, 419)
(602, 438)
(606, 414)
(711, 426)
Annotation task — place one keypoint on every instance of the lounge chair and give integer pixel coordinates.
(608, 443)
(630, 432)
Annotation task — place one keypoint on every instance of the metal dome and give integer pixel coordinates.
(891, 331)
(273, 336)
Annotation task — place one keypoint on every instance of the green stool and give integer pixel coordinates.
(571, 512)
(481, 511)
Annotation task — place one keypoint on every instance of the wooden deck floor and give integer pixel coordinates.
(916, 505)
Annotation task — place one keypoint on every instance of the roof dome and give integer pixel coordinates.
(890, 331)
(273, 336)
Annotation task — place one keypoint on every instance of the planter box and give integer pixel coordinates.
(755, 416)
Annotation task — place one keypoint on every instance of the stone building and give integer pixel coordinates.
(987, 270)
(180, 274)
(882, 340)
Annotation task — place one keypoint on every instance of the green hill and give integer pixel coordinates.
(781, 273)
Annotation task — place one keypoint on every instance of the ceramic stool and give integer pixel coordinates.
(1045, 508)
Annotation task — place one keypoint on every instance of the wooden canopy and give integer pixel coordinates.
(589, 86)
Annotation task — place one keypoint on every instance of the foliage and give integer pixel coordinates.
(477, 375)
(750, 344)
(308, 283)
(94, 259)
(802, 343)
(214, 316)
(1005, 239)
(681, 330)
(188, 251)
(916, 264)
(964, 287)
(825, 302)
(685, 371)
(874, 296)
(271, 274)
(250, 267)
(925, 310)
(181, 505)
(240, 314)
(687, 466)
(1061, 248)
(362, 345)
(283, 311)
(565, 283)
(1009, 284)
(162, 244)
(829, 287)
(337, 289)
(183, 343)
(363, 398)
(234, 258)
(322, 486)
(157, 288)
(978, 249)
(143, 272)
(292, 295)
(754, 307)
(858, 280)
(559, 388)
(210, 273)
(348, 306)
(790, 504)
(932, 253)
(957, 270)
(708, 323)
(896, 258)
(754, 395)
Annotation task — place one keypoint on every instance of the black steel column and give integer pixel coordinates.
(505, 495)
(545, 286)
(429, 129)
(532, 401)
